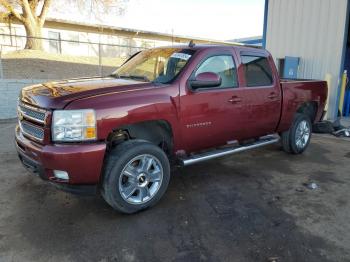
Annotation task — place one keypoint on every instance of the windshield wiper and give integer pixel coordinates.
(136, 77)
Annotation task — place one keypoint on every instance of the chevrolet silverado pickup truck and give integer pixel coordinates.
(119, 135)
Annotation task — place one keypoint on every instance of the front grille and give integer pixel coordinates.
(32, 113)
(32, 121)
(35, 132)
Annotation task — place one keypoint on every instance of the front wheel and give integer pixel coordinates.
(297, 138)
(136, 176)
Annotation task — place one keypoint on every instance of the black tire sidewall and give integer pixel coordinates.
(292, 133)
(120, 157)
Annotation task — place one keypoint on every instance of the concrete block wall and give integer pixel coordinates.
(9, 91)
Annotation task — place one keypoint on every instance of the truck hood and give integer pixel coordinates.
(56, 95)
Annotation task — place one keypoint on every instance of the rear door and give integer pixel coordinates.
(259, 95)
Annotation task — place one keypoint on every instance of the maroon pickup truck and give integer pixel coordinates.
(119, 135)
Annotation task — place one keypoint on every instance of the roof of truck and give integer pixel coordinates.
(239, 47)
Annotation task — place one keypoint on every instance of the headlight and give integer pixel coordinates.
(74, 125)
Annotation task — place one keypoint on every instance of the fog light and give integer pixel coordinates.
(61, 174)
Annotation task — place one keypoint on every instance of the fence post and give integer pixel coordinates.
(59, 43)
(99, 58)
(1, 71)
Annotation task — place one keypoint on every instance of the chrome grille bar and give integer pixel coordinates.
(32, 113)
(33, 132)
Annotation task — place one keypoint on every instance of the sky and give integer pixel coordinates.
(211, 19)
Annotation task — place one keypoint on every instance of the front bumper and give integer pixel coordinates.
(82, 162)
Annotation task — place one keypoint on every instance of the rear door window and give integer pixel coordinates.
(257, 70)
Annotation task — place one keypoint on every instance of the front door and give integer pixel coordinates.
(207, 113)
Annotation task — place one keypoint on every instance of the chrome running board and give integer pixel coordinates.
(263, 141)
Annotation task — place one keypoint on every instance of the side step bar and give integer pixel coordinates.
(263, 141)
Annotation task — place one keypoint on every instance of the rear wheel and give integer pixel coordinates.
(297, 138)
(136, 176)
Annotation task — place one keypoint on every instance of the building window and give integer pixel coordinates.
(2, 36)
(257, 71)
(54, 42)
(74, 38)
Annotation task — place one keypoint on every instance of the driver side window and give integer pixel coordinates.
(224, 66)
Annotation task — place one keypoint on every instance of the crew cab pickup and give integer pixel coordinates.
(118, 135)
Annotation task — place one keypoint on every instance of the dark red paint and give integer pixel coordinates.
(199, 119)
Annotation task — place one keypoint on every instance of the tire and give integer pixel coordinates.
(136, 176)
(297, 138)
(323, 127)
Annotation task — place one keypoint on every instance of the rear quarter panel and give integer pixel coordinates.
(298, 92)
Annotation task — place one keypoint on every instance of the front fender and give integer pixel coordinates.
(120, 109)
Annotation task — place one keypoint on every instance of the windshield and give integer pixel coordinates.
(159, 65)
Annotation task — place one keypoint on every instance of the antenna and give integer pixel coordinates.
(191, 44)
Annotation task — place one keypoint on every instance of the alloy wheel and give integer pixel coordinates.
(141, 179)
(302, 135)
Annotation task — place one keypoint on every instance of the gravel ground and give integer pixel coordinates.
(248, 207)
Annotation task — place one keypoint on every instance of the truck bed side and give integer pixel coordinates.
(296, 94)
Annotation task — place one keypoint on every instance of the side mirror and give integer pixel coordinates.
(206, 79)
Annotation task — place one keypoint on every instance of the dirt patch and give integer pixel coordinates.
(36, 54)
(239, 208)
(31, 64)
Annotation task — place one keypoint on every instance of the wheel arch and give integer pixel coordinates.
(158, 132)
(310, 109)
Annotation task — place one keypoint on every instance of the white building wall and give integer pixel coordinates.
(129, 44)
(313, 30)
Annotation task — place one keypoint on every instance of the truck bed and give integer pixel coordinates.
(295, 92)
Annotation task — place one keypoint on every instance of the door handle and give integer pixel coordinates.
(235, 99)
(272, 96)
